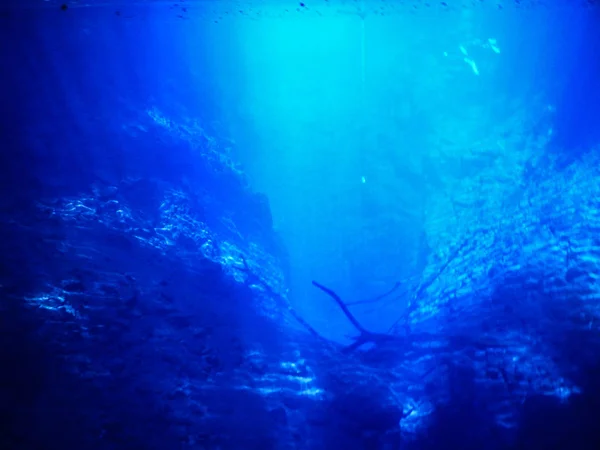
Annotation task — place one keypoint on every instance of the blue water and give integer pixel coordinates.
(299, 225)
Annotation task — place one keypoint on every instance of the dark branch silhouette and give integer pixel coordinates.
(341, 304)
(365, 336)
(376, 299)
(425, 284)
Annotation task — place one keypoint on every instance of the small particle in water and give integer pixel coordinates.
(64, 7)
(363, 180)
(302, 5)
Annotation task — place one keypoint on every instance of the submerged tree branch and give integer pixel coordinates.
(365, 336)
(341, 304)
(376, 299)
(425, 284)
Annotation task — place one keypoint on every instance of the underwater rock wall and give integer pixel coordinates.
(128, 315)
(143, 295)
(143, 304)
(149, 311)
(514, 300)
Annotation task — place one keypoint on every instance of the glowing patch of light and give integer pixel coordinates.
(312, 392)
(296, 66)
(563, 393)
(473, 65)
(52, 303)
(289, 365)
(494, 45)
